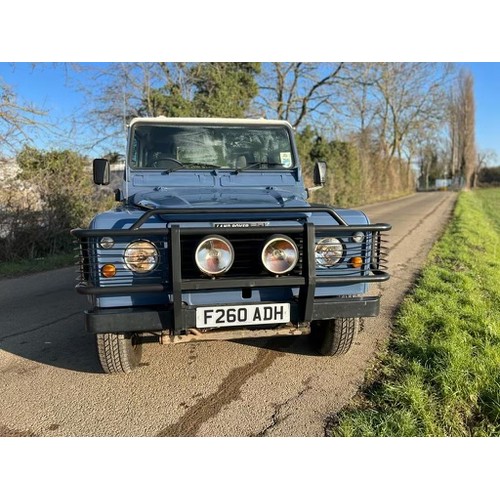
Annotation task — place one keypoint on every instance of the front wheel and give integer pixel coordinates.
(333, 337)
(118, 353)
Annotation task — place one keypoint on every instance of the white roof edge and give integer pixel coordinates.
(216, 121)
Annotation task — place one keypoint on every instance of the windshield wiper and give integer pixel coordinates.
(259, 163)
(177, 164)
(203, 165)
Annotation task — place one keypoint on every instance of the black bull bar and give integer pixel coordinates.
(306, 281)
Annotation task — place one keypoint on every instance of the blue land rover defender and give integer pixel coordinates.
(214, 239)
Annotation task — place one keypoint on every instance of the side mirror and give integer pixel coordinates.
(319, 177)
(101, 171)
(320, 173)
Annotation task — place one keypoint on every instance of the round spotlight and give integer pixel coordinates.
(358, 237)
(106, 242)
(214, 255)
(280, 254)
(328, 252)
(141, 256)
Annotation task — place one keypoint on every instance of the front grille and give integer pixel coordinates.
(247, 260)
(177, 270)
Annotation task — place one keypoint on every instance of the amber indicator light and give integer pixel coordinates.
(108, 270)
(356, 262)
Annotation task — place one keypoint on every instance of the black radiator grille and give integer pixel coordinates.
(247, 256)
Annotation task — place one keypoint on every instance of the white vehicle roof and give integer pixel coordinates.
(212, 121)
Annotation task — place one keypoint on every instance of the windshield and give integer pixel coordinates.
(173, 147)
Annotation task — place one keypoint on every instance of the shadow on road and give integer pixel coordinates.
(65, 345)
(41, 319)
(62, 345)
(291, 345)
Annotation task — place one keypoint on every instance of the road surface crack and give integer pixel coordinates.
(277, 416)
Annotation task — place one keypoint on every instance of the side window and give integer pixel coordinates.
(135, 151)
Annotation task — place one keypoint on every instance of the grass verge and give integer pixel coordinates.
(440, 375)
(23, 267)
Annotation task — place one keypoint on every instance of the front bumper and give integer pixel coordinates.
(161, 320)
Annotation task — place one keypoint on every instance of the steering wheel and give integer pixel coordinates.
(154, 163)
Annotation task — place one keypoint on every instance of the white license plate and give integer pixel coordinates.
(257, 314)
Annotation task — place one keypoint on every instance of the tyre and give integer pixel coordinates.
(333, 337)
(118, 353)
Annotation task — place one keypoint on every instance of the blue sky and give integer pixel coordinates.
(52, 87)
(487, 97)
(46, 85)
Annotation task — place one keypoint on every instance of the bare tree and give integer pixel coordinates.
(393, 109)
(121, 91)
(412, 99)
(462, 128)
(395, 103)
(359, 106)
(453, 135)
(469, 155)
(295, 91)
(485, 157)
(16, 119)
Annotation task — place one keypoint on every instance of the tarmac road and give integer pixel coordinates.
(51, 382)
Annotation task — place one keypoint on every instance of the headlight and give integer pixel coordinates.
(328, 252)
(280, 254)
(141, 256)
(214, 255)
